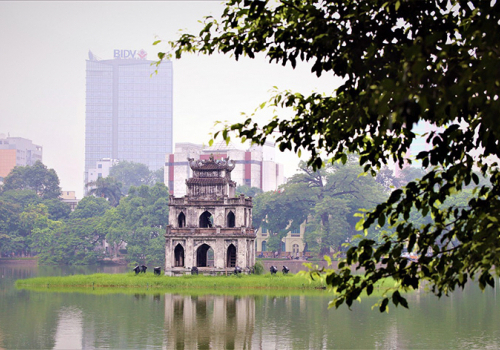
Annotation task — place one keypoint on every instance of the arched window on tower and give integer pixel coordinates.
(179, 256)
(206, 219)
(231, 220)
(202, 255)
(181, 220)
(231, 256)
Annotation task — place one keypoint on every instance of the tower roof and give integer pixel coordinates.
(211, 164)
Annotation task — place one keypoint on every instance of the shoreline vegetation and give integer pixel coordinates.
(129, 283)
(149, 280)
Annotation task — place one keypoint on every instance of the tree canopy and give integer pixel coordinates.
(37, 177)
(106, 187)
(133, 174)
(327, 199)
(139, 220)
(402, 62)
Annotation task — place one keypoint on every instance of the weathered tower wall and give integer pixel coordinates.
(210, 228)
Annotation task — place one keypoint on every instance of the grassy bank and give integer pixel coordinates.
(129, 283)
(130, 280)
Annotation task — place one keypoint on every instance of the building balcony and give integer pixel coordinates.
(210, 231)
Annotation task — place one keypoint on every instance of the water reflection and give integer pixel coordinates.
(203, 322)
(69, 329)
(148, 320)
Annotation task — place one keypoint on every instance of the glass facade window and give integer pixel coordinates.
(128, 112)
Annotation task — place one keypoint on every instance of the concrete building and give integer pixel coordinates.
(69, 197)
(102, 169)
(128, 110)
(17, 151)
(292, 245)
(254, 167)
(209, 228)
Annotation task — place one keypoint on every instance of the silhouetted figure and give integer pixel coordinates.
(194, 270)
(273, 270)
(237, 270)
(144, 268)
(137, 269)
(157, 270)
(285, 270)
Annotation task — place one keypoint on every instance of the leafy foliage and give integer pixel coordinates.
(34, 224)
(21, 211)
(248, 191)
(402, 62)
(90, 207)
(326, 198)
(140, 221)
(37, 178)
(72, 243)
(106, 187)
(134, 174)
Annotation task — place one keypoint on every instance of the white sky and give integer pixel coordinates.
(44, 46)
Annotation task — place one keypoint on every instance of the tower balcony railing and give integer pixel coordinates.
(216, 231)
(241, 200)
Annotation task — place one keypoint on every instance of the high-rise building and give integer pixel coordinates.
(254, 167)
(17, 151)
(128, 110)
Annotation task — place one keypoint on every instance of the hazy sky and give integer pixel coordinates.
(44, 46)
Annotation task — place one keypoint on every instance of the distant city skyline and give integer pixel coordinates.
(254, 167)
(17, 151)
(42, 74)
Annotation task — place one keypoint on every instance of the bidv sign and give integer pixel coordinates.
(130, 54)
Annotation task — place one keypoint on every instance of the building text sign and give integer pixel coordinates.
(130, 54)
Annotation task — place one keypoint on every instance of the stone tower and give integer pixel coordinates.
(210, 228)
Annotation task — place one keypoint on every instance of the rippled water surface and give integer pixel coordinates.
(468, 319)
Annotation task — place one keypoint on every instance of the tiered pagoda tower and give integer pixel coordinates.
(210, 228)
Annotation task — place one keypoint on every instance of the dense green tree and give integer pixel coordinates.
(116, 230)
(22, 198)
(327, 198)
(401, 62)
(284, 209)
(132, 174)
(139, 221)
(106, 187)
(90, 207)
(248, 191)
(10, 238)
(343, 184)
(36, 177)
(145, 212)
(58, 210)
(74, 242)
(158, 175)
(281, 211)
(17, 208)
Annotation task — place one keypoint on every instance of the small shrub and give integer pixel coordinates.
(258, 268)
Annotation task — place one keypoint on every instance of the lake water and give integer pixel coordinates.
(468, 319)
